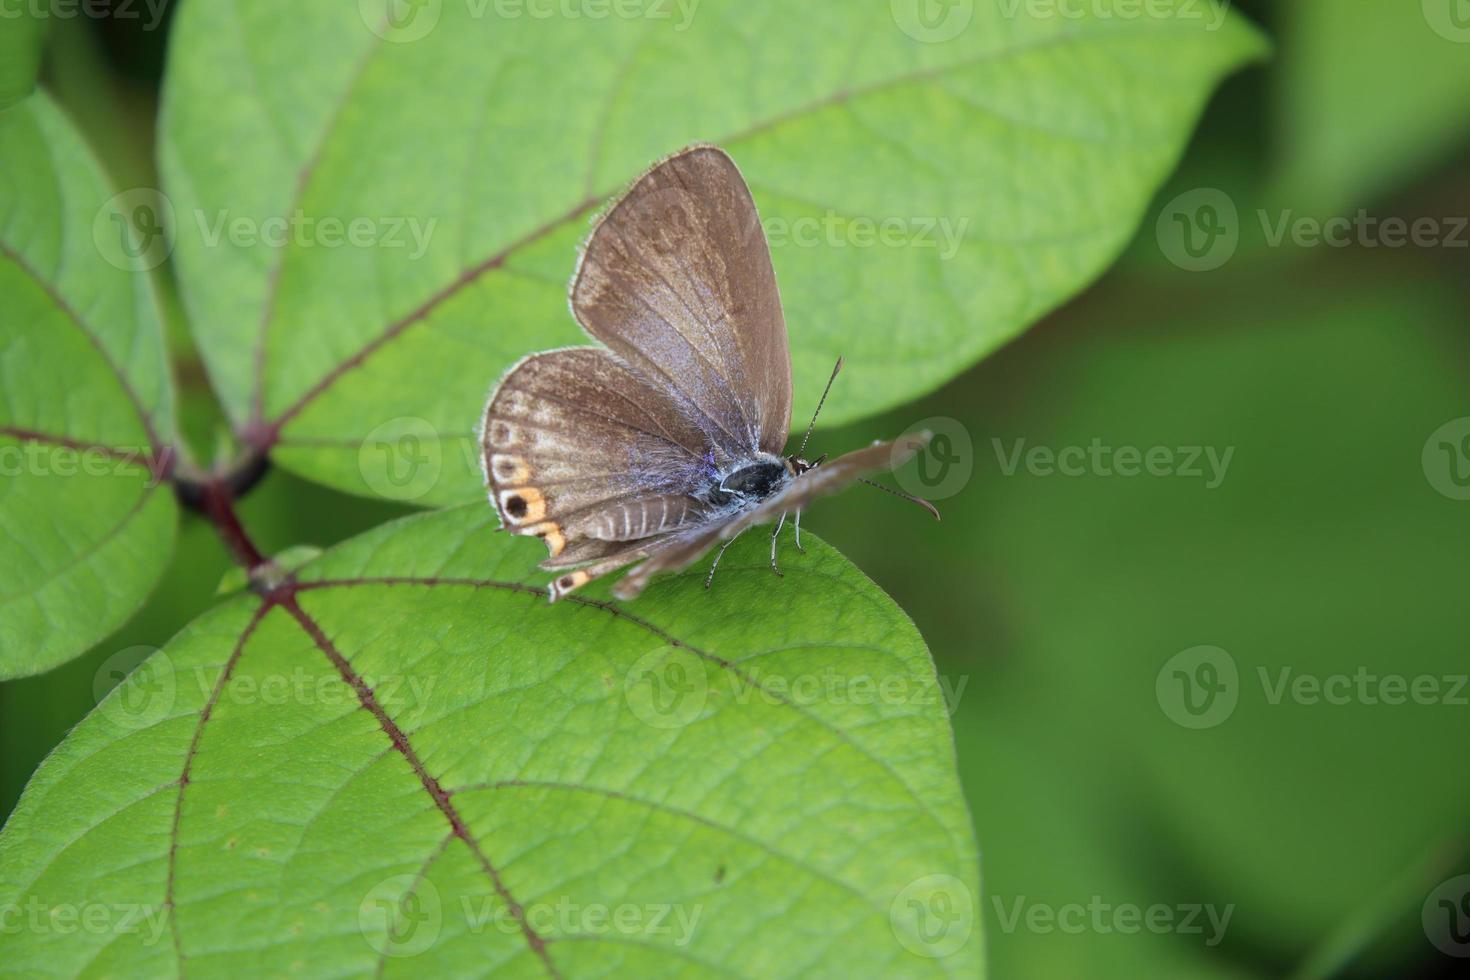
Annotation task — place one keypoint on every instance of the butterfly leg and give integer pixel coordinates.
(774, 536)
(797, 522)
(710, 578)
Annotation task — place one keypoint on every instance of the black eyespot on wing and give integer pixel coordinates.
(515, 507)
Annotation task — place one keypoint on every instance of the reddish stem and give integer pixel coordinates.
(217, 502)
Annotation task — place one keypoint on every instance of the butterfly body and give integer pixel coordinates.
(668, 439)
(752, 482)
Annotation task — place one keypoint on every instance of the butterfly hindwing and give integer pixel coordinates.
(578, 448)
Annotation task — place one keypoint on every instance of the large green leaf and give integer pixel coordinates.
(930, 190)
(411, 760)
(86, 417)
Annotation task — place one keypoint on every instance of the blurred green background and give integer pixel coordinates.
(1330, 547)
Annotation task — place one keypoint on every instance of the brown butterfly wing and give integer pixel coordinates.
(677, 279)
(684, 549)
(588, 455)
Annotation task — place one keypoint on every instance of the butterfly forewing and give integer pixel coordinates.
(677, 279)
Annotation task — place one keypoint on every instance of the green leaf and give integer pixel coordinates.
(929, 191)
(410, 760)
(86, 419)
(1373, 95)
(20, 50)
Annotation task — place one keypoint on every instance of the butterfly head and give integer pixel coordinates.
(796, 465)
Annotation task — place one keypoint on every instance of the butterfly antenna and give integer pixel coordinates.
(906, 496)
(820, 403)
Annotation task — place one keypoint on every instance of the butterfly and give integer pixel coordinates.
(668, 438)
